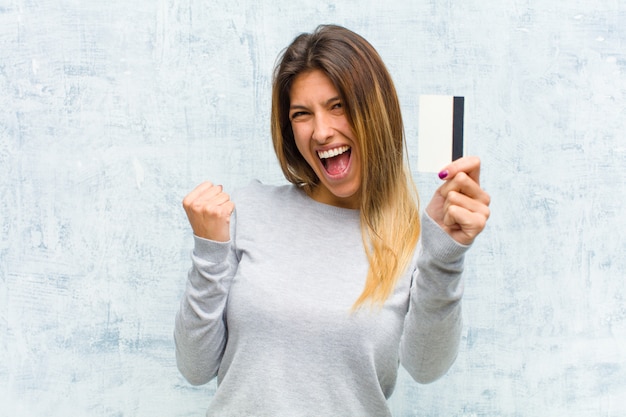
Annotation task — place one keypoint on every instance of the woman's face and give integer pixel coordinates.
(325, 139)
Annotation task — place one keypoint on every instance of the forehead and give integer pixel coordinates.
(311, 85)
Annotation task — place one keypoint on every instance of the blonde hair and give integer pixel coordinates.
(388, 201)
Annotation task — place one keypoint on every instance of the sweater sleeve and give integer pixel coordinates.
(200, 331)
(433, 324)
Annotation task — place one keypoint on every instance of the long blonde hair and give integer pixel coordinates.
(388, 202)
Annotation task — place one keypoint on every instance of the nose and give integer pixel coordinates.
(322, 128)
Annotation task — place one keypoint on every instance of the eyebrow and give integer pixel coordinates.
(300, 106)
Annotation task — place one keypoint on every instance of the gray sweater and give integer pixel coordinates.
(269, 313)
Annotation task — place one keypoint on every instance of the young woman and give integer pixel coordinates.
(306, 298)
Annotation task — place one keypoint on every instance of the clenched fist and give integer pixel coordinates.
(460, 206)
(208, 209)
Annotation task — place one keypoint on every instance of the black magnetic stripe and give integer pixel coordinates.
(457, 127)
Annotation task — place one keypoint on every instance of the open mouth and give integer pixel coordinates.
(336, 160)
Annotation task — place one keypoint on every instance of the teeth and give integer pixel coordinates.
(333, 152)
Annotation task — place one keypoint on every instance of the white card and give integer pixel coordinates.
(440, 131)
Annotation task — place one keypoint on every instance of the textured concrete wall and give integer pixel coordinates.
(110, 112)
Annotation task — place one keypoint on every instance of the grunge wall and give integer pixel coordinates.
(110, 112)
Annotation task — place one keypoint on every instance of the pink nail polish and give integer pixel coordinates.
(443, 174)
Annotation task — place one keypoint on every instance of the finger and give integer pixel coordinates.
(464, 184)
(218, 200)
(471, 223)
(465, 221)
(196, 192)
(219, 207)
(461, 200)
(229, 207)
(210, 203)
(469, 165)
(205, 195)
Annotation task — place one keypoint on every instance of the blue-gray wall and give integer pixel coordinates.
(111, 111)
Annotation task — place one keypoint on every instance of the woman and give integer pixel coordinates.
(305, 299)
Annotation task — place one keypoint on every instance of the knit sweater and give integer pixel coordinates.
(269, 312)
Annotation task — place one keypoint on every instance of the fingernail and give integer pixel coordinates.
(443, 174)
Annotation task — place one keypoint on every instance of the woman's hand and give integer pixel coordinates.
(460, 206)
(208, 209)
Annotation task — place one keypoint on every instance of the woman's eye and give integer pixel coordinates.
(337, 106)
(297, 114)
